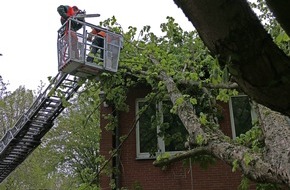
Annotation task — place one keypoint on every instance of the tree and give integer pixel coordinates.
(179, 65)
(233, 33)
(36, 172)
(12, 106)
(74, 140)
(68, 155)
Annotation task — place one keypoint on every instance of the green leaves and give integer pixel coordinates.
(235, 165)
(199, 139)
(245, 184)
(202, 119)
(13, 105)
(252, 139)
(225, 94)
(162, 156)
(282, 37)
(247, 159)
(193, 101)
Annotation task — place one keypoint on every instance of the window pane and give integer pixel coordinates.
(147, 131)
(241, 114)
(172, 129)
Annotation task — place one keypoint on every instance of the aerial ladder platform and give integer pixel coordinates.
(73, 50)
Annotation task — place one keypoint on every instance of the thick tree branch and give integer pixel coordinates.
(280, 9)
(276, 129)
(233, 33)
(185, 110)
(231, 85)
(253, 165)
(209, 85)
(182, 156)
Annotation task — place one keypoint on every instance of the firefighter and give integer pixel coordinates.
(66, 12)
(97, 43)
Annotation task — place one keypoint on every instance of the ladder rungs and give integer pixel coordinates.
(28, 133)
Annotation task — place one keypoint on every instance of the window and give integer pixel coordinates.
(158, 130)
(241, 114)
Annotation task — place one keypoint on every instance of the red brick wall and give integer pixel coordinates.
(175, 177)
(225, 122)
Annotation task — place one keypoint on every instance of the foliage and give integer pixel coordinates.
(268, 186)
(13, 105)
(184, 58)
(75, 139)
(245, 183)
(39, 167)
(69, 155)
(180, 54)
(162, 156)
(271, 25)
(252, 139)
(3, 88)
(235, 165)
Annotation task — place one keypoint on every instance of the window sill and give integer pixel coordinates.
(144, 157)
(150, 158)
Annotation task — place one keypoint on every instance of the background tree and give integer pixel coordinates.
(68, 156)
(12, 106)
(75, 139)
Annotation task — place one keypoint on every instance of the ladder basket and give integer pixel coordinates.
(79, 56)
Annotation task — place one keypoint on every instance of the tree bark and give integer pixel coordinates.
(276, 128)
(233, 33)
(280, 9)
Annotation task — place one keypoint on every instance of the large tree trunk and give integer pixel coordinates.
(233, 33)
(276, 128)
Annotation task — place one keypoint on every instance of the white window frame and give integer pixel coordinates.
(160, 141)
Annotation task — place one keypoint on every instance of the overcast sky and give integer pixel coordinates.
(29, 32)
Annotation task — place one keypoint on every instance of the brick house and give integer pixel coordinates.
(135, 163)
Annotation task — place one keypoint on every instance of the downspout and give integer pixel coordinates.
(118, 176)
(115, 144)
(116, 158)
